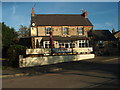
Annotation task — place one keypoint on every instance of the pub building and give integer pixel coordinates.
(60, 32)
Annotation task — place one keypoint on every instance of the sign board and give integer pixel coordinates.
(62, 50)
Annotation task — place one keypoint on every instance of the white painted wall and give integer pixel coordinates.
(46, 60)
(48, 50)
(33, 31)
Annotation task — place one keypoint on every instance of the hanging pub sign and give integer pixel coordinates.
(62, 50)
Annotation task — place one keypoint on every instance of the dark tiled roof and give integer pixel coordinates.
(104, 35)
(61, 20)
(62, 39)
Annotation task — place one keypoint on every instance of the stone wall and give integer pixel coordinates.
(58, 30)
(41, 31)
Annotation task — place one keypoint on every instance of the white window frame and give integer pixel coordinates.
(63, 44)
(46, 42)
(82, 43)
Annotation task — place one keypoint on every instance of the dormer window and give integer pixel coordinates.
(80, 31)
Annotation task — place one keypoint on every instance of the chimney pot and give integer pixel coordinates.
(33, 12)
(85, 14)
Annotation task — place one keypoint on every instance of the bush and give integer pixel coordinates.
(13, 53)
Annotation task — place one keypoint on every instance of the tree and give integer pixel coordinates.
(23, 31)
(0, 39)
(9, 36)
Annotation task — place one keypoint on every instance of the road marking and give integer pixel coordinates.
(110, 59)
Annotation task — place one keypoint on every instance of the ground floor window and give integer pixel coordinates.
(67, 45)
(100, 43)
(46, 44)
(83, 43)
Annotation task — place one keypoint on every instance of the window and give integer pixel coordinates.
(72, 45)
(101, 43)
(83, 43)
(65, 31)
(67, 45)
(80, 31)
(46, 44)
(48, 31)
(60, 45)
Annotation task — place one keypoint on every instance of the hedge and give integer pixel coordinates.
(13, 53)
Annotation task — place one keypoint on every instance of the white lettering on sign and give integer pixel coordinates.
(62, 50)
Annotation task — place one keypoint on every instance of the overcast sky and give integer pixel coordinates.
(103, 15)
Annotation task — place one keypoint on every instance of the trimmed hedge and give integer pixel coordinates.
(13, 53)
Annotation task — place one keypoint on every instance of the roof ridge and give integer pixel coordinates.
(58, 14)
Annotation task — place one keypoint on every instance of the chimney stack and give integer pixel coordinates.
(85, 14)
(33, 12)
(113, 30)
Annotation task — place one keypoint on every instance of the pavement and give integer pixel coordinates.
(17, 72)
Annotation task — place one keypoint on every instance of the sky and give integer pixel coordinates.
(103, 15)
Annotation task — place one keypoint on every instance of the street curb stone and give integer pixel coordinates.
(15, 75)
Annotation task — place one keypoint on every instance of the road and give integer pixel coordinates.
(101, 72)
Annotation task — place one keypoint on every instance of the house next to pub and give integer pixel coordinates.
(104, 42)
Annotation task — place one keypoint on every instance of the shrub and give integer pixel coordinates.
(13, 53)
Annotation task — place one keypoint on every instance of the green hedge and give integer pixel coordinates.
(13, 53)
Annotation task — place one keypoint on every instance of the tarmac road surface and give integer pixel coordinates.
(101, 72)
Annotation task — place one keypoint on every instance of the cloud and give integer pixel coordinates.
(108, 24)
(14, 9)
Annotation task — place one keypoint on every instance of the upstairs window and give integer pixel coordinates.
(65, 31)
(48, 31)
(80, 31)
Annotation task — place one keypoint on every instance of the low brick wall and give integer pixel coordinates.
(46, 60)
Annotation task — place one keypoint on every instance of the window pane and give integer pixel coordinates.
(80, 31)
(72, 45)
(86, 44)
(65, 31)
(60, 45)
(82, 44)
(66, 45)
(48, 31)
